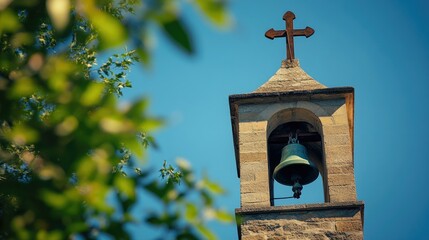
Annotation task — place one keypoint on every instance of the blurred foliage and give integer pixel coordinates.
(70, 157)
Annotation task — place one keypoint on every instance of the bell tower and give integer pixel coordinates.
(293, 130)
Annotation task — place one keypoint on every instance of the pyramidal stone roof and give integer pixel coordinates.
(289, 77)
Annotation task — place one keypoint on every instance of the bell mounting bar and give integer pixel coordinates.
(303, 137)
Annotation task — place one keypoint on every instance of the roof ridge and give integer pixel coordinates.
(289, 77)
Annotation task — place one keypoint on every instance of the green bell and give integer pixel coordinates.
(295, 166)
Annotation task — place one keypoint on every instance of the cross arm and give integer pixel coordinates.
(307, 32)
(271, 33)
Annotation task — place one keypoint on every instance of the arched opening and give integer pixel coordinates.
(307, 127)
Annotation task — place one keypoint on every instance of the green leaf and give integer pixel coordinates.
(110, 30)
(9, 21)
(224, 216)
(92, 94)
(55, 200)
(150, 125)
(96, 196)
(178, 33)
(125, 185)
(134, 145)
(52, 235)
(214, 11)
(23, 87)
(191, 212)
(143, 55)
(85, 169)
(137, 108)
(207, 198)
(212, 187)
(21, 135)
(205, 232)
(77, 227)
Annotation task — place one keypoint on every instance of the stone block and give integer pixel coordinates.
(321, 225)
(254, 136)
(341, 110)
(254, 167)
(293, 226)
(255, 176)
(253, 157)
(340, 169)
(335, 129)
(247, 176)
(277, 107)
(337, 139)
(338, 154)
(249, 147)
(261, 176)
(254, 237)
(327, 121)
(253, 187)
(312, 107)
(341, 179)
(258, 126)
(345, 193)
(341, 119)
(344, 235)
(348, 226)
(263, 226)
(255, 199)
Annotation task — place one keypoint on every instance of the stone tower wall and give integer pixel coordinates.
(305, 222)
(330, 116)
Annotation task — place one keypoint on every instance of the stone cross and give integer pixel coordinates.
(289, 33)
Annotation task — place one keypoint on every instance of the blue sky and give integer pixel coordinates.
(381, 48)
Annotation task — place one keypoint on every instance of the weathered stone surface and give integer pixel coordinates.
(311, 221)
(253, 146)
(342, 193)
(338, 154)
(341, 169)
(341, 179)
(246, 157)
(252, 187)
(247, 176)
(255, 172)
(252, 126)
(348, 226)
(337, 139)
(254, 237)
(289, 78)
(335, 129)
(255, 199)
(253, 136)
(344, 235)
(254, 184)
(327, 120)
(341, 119)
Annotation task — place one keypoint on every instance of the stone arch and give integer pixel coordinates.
(285, 115)
(308, 113)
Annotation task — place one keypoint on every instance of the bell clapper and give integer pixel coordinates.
(297, 188)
